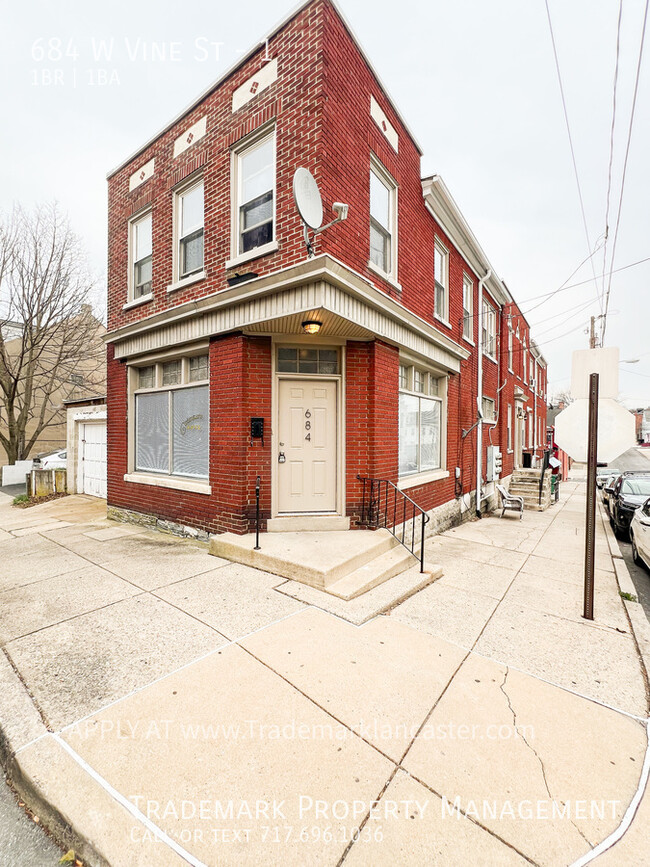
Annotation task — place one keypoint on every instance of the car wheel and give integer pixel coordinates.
(638, 561)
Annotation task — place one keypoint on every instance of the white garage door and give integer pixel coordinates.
(92, 459)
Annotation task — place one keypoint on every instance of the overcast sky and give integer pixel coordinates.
(474, 79)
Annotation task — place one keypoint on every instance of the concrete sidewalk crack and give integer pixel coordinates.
(502, 687)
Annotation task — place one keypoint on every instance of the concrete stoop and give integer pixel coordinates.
(525, 483)
(341, 563)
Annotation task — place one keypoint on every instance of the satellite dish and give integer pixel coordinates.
(307, 198)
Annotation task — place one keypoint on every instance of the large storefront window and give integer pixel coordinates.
(420, 421)
(172, 418)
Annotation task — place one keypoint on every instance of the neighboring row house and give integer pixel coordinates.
(232, 354)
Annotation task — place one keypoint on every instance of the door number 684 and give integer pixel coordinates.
(308, 425)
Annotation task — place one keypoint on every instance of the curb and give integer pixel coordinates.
(639, 624)
(20, 726)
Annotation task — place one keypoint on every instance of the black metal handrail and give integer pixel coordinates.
(385, 506)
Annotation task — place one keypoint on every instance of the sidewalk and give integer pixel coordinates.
(164, 707)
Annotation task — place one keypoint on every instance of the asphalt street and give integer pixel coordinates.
(22, 841)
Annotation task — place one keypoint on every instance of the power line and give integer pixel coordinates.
(627, 153)
(573, 155)
(547, 295)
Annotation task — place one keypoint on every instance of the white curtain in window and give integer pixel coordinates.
(152, 432)
(190, 432)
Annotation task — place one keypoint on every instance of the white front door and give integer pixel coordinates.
(92, 459)
(307, 450)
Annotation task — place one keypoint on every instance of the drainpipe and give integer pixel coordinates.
(479, 391)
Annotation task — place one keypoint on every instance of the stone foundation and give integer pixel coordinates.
(127, 516)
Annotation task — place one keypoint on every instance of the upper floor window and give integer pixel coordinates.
(489, 330)
(254, 185)
(140, 245)
(441, 281)
(468, 306)
(488, 408)
(510, 348)
(188, 203)
(383, 220)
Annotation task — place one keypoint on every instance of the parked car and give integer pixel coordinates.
(603, 473)
(52, 460)
(607, 489)
(630, 491)
(640, 535)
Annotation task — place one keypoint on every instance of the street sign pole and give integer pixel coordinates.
(590, 533)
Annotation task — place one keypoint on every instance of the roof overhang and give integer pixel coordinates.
(356, 308)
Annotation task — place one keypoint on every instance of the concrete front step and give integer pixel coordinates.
(317, 559)
(372, 574)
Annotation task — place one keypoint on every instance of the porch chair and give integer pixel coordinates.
(510, 501)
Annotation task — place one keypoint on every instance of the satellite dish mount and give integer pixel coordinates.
(308, 201)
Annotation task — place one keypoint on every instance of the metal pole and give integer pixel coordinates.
(590, 534)
(257, 513)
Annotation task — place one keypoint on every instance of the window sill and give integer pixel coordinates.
(264, 250)
(468, 340)
(384, 276)
(510, 451)
(138, 301)
(187, 281)
(444, 322)
(168, 482)
(421, 479)
(490, 358)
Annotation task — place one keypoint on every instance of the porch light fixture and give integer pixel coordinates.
(311, 326)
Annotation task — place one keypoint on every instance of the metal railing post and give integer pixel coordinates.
(258, 482)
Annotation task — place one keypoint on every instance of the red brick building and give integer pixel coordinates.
(211, 288)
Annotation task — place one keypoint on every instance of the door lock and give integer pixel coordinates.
(282, 458)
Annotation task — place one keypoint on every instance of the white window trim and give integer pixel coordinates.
(263, 250)
(187, 281)
(133, 220)
(415, 479)
(136, 302)
(389, 181)
(438, 245)
(249, 141)
(185, 186)
(178, 483)
(467, 281)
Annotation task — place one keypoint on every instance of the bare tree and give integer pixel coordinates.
(49, 336)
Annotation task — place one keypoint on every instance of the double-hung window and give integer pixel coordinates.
(141, 256)
(189, 229)
(489, 330)
(468, 306)
(420, 420)
(172, 417)
(254, 183)
(510, 348)
(441, 281)
(383, 220)
(509, 427)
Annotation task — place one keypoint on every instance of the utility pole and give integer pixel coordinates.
(590, 530)
(592, 333)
